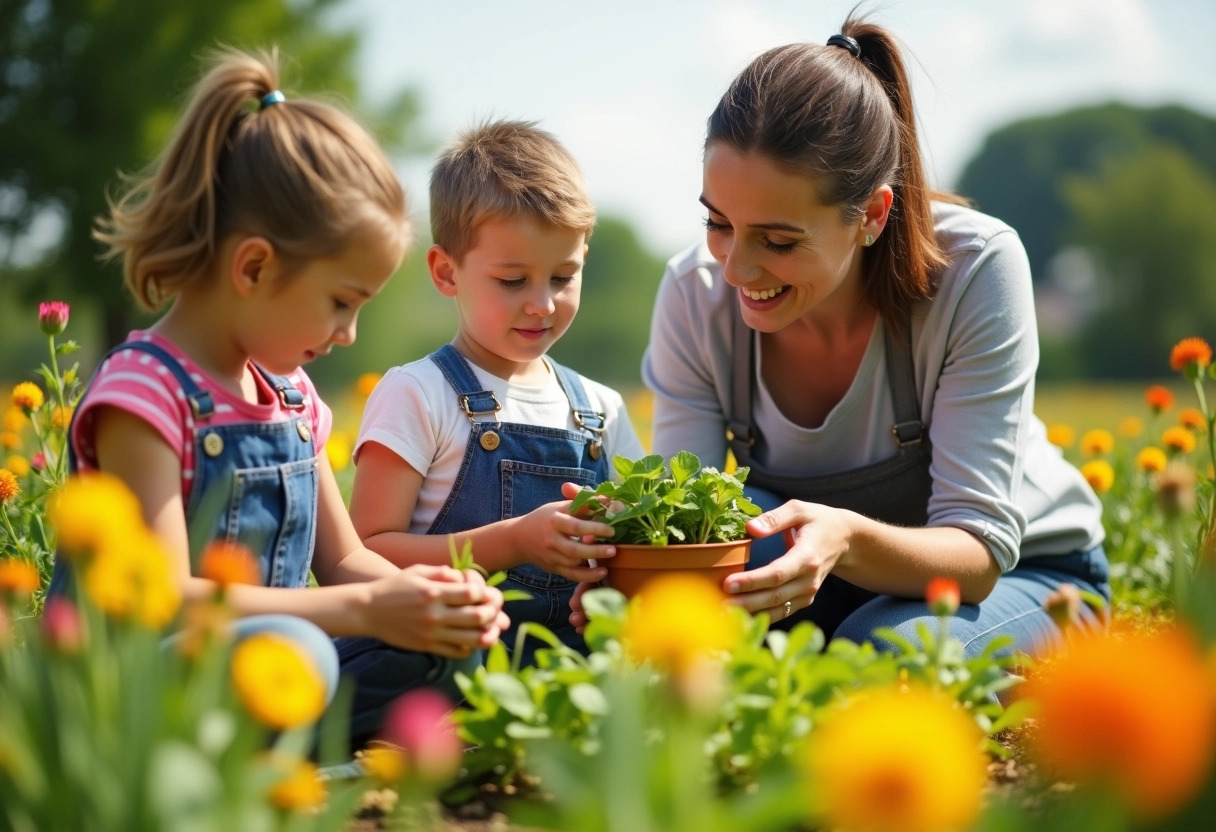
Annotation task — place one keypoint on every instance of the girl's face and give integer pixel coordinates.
(788, 254)
(516, 291)
(302, 315)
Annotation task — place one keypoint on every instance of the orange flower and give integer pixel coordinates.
(301, 788)
(229, 563)
(61, 417)
(1135, 714)
(1159, 398)
(1178, 440)
(942, 595)
(1190, 351)
(19, 577)
(1190, 417)
(9, 489)
(9, 440)
(1151, 459)
(1130, 427)
(1062, 436)
(1097, 442)
(1099, 475)
(366, 384)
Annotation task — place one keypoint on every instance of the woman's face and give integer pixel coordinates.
(788, 254)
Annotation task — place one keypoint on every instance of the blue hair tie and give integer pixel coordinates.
(272, 98)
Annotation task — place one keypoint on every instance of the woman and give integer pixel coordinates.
(869, 350)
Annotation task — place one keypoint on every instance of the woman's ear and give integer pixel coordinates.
(877, 212)
(251, 265)
(442, 267)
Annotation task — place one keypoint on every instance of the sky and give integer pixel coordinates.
(627, 85)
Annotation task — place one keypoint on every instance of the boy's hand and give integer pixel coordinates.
(436, 609)
(553, 539)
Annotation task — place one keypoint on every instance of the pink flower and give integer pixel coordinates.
(62, 626)
(418, 722)
(38, 462)
(943, 597)
(53, 316)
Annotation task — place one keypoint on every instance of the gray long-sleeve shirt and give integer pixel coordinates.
(975, 350)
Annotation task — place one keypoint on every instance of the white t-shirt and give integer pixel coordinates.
(414, 412)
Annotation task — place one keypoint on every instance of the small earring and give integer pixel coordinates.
(869, 241)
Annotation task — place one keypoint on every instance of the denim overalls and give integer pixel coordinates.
(256, 483)
(895, 491)
(508, 470)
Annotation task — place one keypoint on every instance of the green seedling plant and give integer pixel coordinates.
(657, 504)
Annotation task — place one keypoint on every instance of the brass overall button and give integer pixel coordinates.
(489, 440)
(303, 430)
(213, 444)
(596, 449)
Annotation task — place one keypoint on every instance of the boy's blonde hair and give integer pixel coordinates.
(505, 170)
(300, 173)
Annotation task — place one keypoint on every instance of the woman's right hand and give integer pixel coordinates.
(436, 609)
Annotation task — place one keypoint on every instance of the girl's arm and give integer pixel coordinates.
(382, 506)
(424, 609)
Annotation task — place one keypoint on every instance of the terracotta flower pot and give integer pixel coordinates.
(635, 565)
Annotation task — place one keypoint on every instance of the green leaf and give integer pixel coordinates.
(684, 466)
(604, 602)
(497, 659)
(510, 694)
(589, 699)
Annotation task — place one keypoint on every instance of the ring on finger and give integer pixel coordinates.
(789, 608)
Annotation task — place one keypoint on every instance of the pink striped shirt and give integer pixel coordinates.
(140, 384)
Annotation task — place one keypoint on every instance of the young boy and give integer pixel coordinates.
(476, 439)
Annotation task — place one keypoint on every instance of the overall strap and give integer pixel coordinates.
(740, 431)
(901, 375)
(585, 416)
(473, 400)
(290, 396)
(201, 403)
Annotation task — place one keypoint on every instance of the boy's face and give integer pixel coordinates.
(516, 293)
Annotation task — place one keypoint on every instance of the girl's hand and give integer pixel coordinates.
(556, 541)
(435, 609)
(816, 537)
(578, 616)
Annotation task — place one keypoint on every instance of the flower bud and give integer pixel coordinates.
(53, 316)
(943, 596)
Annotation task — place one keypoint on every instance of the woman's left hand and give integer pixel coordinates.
(817, 536)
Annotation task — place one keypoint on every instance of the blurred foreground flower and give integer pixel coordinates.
(229, 563)
(897, 761)
(301, 788)
(366, 383)
(18, 464)
(943, 596)
(338, 450)
(1178, 440)
(1135, 715)
(1151, 459)
(18, 577)
(677, 621)
(130, 577)
(1130, 427)
(92, 509)
(1097, 442)
(53, 316)
(1062, 436)
(1192, 418)
(1159, 398)
(277, 682)
(63, 626)
(1099, 475)
(419, 723)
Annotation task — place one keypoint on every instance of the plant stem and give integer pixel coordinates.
(8, 525)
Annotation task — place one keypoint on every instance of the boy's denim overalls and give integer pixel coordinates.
(255, 483)
(509, 469)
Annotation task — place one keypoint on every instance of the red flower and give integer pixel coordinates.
(53, 316)
(1159, 398)
(943, 597)
(1190, 351)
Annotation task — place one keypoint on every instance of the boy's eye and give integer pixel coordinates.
(512, 282)
(341, 305)
(563, 279)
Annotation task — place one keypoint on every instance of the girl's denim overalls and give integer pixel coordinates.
(256, 483)
(508, 470)
(896, 491)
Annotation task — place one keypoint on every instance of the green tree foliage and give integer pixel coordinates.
(1149, 222)
(1019, 173)
(620, 280)
(91, 87)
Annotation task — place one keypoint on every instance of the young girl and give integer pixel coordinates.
(267, 223)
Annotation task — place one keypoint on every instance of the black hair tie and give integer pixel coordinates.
(846, 42)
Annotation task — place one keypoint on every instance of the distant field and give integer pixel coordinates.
(1093, 405)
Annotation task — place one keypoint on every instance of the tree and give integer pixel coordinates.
(90, 88)
(1019, 172)
(1148, 222)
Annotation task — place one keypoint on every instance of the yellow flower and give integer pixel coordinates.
(14, 419)
(366, 384)
(9, 489)
(27, 396)
(1134, 713)
(1097, 442)
(277, 682)
(302, 787)
(338, 450)
(897, 760)
(1062, 436)
(677, 620)
(132, 578)
(10, 441)
(1131, 427)
(92, 509)
(1151, 459)
(1099, 475)
(19, 577)
(385, 763)
(1178, 439)
(61, 417)
(18, 464)
(1192, 418)
(69, 376)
